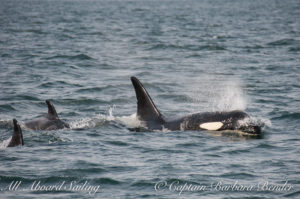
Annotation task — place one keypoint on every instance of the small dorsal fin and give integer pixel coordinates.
(17, 137)
(51, 110)
(146, 109)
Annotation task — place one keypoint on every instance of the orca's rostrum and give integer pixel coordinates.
(211, 121)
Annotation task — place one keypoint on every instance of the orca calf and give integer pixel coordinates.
(212, 121)
(50, 121)
(17, 137)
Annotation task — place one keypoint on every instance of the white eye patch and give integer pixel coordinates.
(212, 126)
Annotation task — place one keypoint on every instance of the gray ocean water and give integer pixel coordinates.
(192, 56)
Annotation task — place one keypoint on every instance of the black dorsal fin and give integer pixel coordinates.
(146, 109)
(51, 110)
(17, 137)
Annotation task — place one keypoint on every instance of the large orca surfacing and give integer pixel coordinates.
(213, 121)
(50, 121)
(17, 137)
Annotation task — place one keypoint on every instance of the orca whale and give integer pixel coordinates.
(150, 117)
(50, 121)
(17, 137)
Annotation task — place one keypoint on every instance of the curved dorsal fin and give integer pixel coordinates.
(51, 110)
(146, 109)
(17, 137)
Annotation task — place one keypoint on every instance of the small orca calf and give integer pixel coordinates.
(17, 137)
(213, 121)
(50, 121)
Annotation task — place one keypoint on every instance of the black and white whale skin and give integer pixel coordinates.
(17, 137)
(149, 115)
(50, 121)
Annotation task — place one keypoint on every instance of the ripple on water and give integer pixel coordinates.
(294, 194)
(209, 47)
(107, 181)
(60, 83)
(288, 115)
(6, 108)
(295, 49)
(82, 172)
(238, 175)
(71, 57)
(283, 42)
(22, 97)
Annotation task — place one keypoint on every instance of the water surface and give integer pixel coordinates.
(192, 56)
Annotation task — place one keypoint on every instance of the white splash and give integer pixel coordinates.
(228, 97)
(84, 123)
(255, 121)
(110, 116)
(5, 143)
(93, 121)
(214, 94)
(131, 121)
